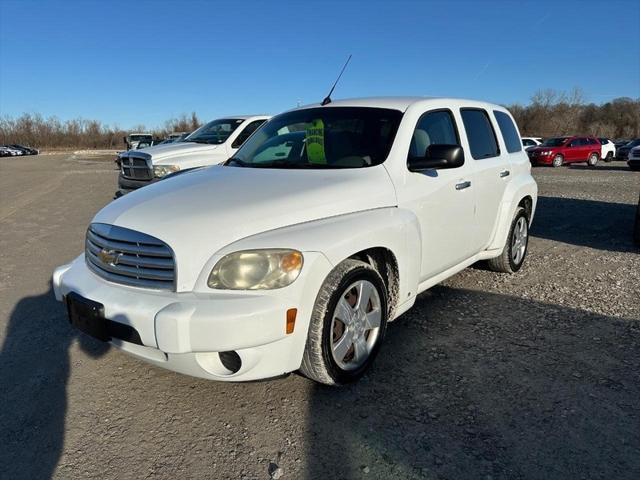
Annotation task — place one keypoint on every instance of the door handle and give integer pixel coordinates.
(463, 185)
(504, 173)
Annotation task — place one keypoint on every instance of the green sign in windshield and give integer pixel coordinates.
(314, 139)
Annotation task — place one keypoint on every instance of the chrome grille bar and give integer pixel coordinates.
(128, 257)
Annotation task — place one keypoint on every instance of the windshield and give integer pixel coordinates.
(215, 132)
(633, 143)
(554, 142)
(135, 138)
(323, 137)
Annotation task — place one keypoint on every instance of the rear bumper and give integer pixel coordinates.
(185, 332)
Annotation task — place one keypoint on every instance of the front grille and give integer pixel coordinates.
(128, 257)
(136, 168)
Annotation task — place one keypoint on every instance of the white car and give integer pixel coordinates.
(608, 150)
(528, 142)
(213, 143)
(294, 254)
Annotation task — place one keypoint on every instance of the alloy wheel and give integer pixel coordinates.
(355, 325)
(519, 240)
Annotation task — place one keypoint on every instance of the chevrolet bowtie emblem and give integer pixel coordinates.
(109, 257)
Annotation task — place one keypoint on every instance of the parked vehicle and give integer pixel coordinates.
(9, 151)
(634, 159)
(25, 150)
(294, 254)
(607, 150)
(133, 139)
(622, 153)
(560, 150)
(211, 144)
(531, 142)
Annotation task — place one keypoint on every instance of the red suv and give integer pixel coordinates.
(560, 150)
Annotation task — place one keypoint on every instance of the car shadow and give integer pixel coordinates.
(587, 223)
(612, 168)
(479, 385)
(34, 369)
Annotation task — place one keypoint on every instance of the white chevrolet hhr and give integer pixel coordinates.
(297, 252)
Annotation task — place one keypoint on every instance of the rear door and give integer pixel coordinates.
(491, 168)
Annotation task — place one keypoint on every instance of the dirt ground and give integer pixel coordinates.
(489, 376)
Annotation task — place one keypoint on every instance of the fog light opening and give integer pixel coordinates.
(230, 360)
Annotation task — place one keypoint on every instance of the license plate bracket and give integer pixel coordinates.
(87, 316)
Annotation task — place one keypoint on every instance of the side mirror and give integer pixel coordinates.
(438, 156)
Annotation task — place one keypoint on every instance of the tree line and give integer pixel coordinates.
(549, 113)
(552, 113)
(53, 133)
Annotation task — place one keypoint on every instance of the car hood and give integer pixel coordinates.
(198, 213)
(157, 153)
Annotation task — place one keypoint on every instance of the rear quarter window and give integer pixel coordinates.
(482, 138)
(509, 132)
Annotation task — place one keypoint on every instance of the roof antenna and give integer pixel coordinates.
(327, 99)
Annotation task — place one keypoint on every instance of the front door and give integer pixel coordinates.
(442, 199)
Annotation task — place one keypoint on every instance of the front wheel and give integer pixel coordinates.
(593, 159)
(558, 161)
(515, 249)
(347, 326)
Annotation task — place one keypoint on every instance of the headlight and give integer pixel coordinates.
(256, 270)
(162, 170)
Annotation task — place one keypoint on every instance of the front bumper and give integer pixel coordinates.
(185, 332)
(127, 185)
(541, 159)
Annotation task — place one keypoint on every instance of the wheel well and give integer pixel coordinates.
(527, 204)
(384, 261)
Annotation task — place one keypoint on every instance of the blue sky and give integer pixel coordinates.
(129, 63)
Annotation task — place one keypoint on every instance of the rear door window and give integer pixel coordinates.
(509, 132)
(482, 138)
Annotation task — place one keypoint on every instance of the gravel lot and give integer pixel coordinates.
(489, 376)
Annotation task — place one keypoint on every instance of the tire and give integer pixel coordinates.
(510, 261)
(592, 161)
(609, 157)
(558, 161)
(319, 361)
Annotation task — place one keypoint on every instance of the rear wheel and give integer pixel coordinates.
(515, 249)
(558, 161)
(609, 157)
(347, 326)
(593, 159)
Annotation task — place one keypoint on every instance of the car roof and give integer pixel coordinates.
(243, 117)
(402, 103)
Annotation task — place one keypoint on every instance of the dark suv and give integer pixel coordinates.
(622, 153)
(560, 150)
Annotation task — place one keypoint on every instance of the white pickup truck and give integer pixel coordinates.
(294, 254)
(211, 144)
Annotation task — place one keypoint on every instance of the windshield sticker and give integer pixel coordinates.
(314, 138)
